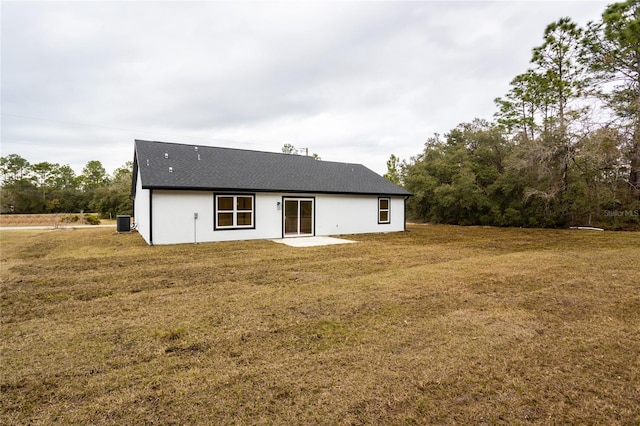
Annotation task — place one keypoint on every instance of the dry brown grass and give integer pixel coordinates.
(51, 219)
(439, 325)
(30, 219)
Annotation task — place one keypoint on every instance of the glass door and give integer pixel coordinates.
(298, 217)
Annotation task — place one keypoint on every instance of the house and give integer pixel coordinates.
(193, 193)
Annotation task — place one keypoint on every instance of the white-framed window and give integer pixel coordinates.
(384, 210)
(234, 211)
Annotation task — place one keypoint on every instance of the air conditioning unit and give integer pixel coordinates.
(123, 223)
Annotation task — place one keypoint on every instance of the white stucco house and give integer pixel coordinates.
(192, 193)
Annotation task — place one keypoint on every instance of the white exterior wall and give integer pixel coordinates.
(173, 216)
(355, 214)
(141, 210)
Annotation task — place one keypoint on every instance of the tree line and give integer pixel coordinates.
(563, 148)
(53, 188)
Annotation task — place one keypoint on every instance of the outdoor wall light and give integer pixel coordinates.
(279, 205)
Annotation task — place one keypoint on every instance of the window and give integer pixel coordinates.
(234, 211)
(384, 206)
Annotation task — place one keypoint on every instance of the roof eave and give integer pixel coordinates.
(282, 191)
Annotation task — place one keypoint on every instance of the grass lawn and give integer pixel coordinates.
(438, 325)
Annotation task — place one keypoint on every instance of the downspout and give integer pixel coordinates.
(133, 205)
(150, 217)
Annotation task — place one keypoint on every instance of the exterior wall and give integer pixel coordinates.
(141, 210)
(173, 216)
(355, 214)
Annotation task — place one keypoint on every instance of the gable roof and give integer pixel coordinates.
(164, 165)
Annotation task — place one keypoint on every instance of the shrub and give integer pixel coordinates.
(92, 220)
(70, 218)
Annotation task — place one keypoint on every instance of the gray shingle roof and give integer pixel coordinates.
(165, 165)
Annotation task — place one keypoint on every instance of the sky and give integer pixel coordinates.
(350, 81)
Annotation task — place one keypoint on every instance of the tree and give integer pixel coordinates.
(549, 161)
(123, 174)
(44, 174)
(522, 104)
(557, 60)
(453, 181)
(94, 175)
(65, 178)
(543, 113)
(114, 199)
(600, 172)
(64, 193)
(612, 52)
(14, 168)
(17, 187)
(290, 149)
(393, 171)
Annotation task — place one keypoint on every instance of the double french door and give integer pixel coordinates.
(298, 217)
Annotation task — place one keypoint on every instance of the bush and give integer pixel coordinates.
(92, 220)
(70, 219)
